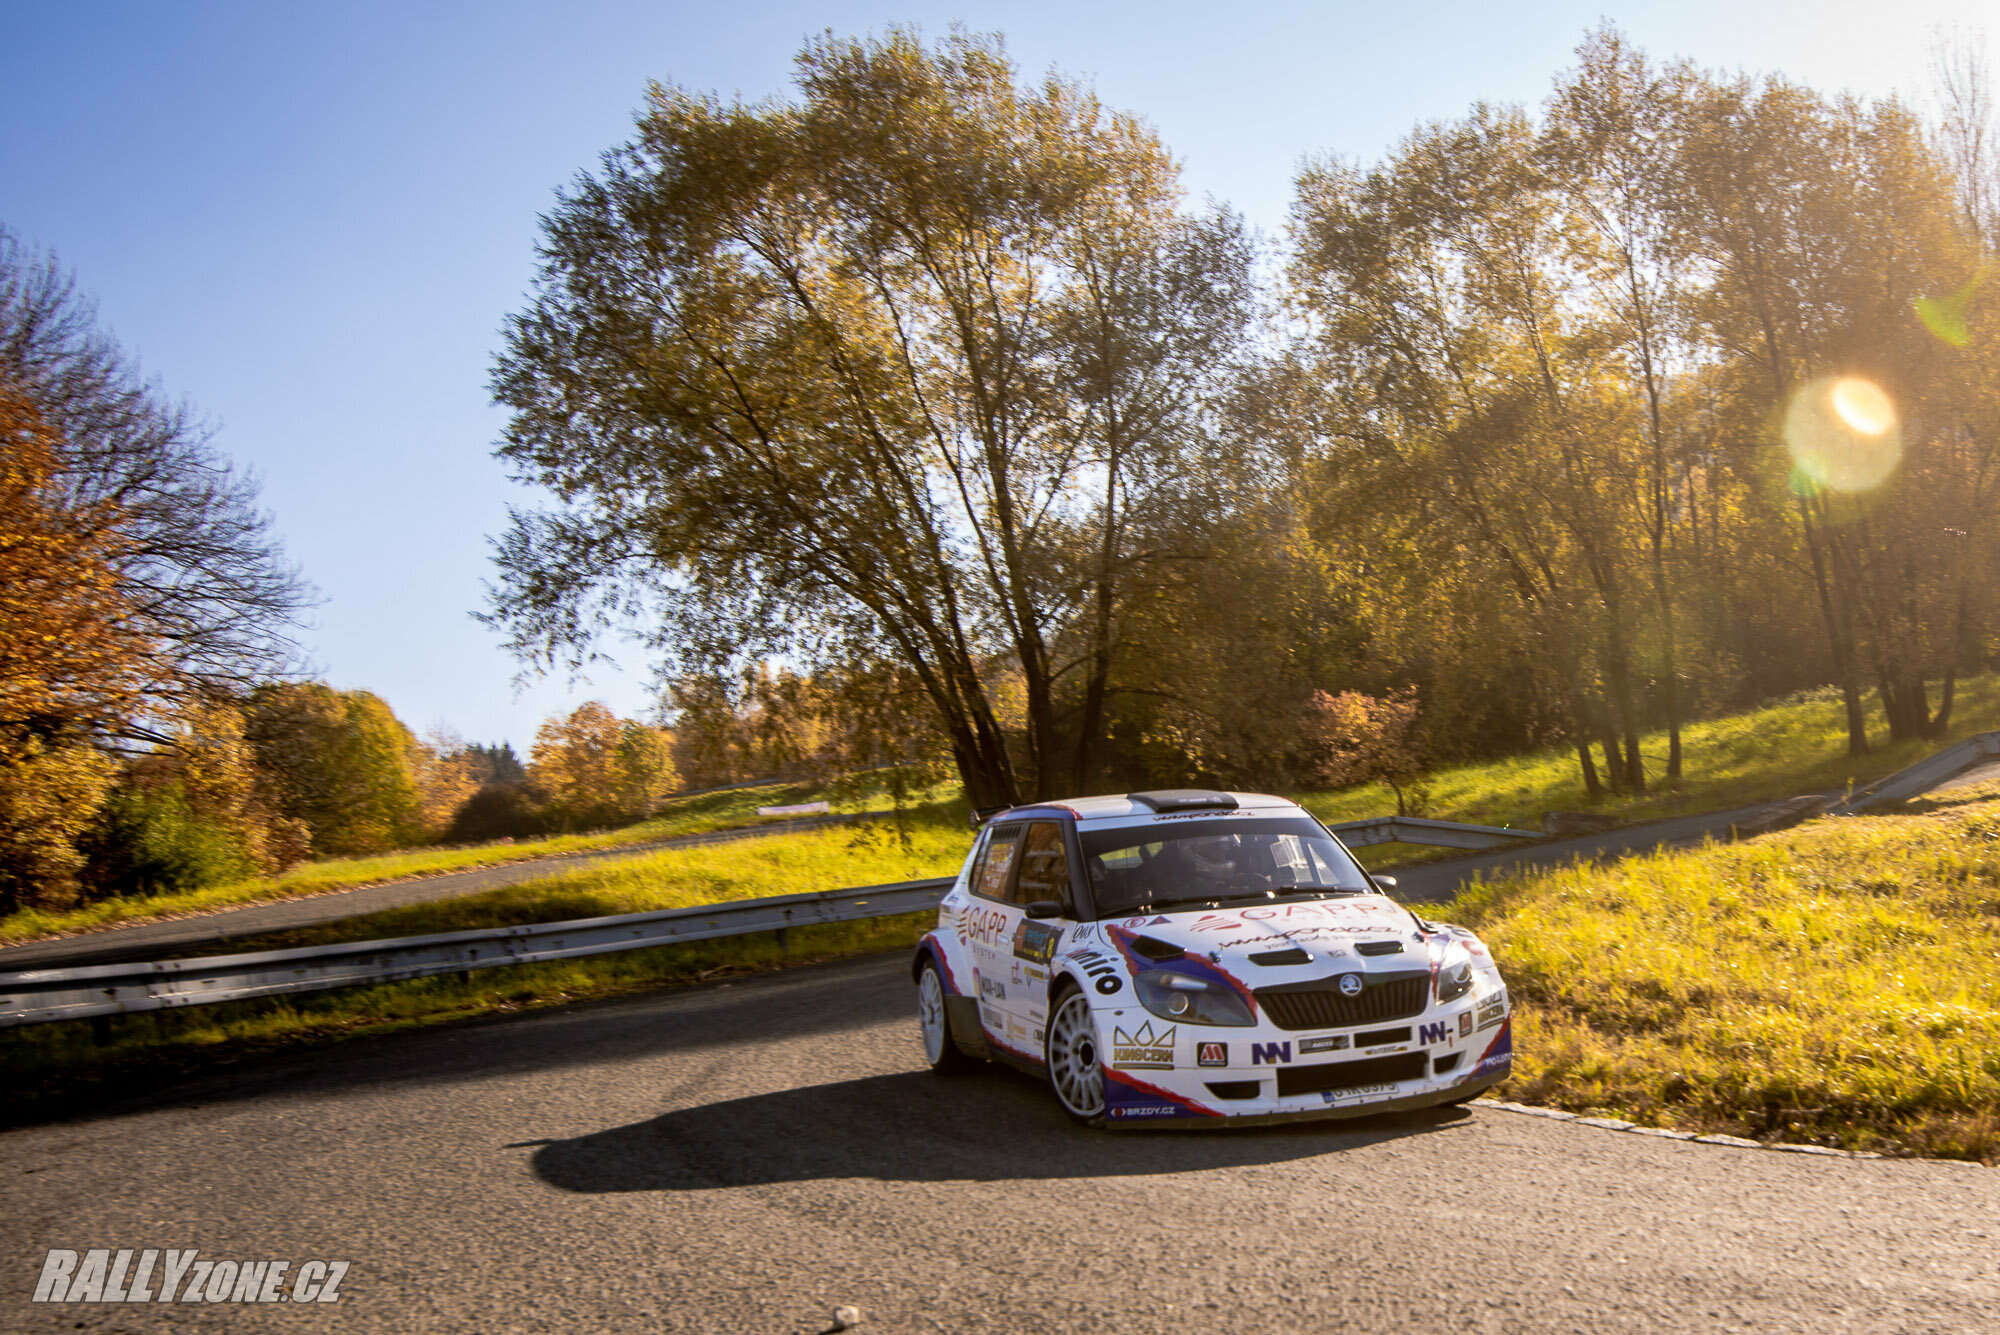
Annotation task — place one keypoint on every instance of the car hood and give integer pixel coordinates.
(1326, 929)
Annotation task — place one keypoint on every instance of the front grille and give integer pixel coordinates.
(1348, 1075)
(1375, 1038)
(1319, 1005)
(1446, 1063)
(1234, 1089)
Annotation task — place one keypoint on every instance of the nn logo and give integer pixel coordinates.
(1270, 1053)
(1432, 1033)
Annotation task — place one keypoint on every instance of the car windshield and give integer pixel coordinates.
(1231, 858)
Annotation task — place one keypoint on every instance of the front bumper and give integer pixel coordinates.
(1185, 1075)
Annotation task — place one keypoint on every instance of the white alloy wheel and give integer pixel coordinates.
(1076, 1071)
(942, 1054)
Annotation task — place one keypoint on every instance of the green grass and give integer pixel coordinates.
(692, 815)
(54, 1066)
(1832, 984)
(787, 864)
(1794, 747)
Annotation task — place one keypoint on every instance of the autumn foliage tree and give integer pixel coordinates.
(593, 768)
(1356, 738)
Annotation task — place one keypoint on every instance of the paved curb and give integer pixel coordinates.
(1736, 1142)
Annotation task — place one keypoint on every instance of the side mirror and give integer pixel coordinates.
(1044, 908)
(1385, 882)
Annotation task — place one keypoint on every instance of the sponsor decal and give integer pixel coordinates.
(1146, 1110)
(1041, 1036)
(175, 1275)
(1324, 1043)
(1211, 1054)
(1037, 975)
(990, 987)
(1143, 1049)
(1036, 941)
(1017, 973)
(1357, 1092)
(1464, 1023)
(1433, 1033)
(1122, 1089)
(1271, 1054)
(1102, 971)
(982, 926)
(1493, 1009)
(1351, 984)
(990, 1019)
(1392, 1047)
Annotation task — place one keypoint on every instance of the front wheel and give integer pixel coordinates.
(939, 1050)
(1076, 1070)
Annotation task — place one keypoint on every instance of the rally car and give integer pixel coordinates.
(1186, 956)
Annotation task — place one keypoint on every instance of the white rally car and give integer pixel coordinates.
(1191, 956)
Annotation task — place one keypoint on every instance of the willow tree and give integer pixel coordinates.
(907, 368)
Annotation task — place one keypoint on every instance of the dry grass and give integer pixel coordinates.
(1833, 984)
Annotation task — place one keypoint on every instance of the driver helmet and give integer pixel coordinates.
(1214, 854)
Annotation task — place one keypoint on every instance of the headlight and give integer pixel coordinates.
(1189, 1000)
(1454, 974)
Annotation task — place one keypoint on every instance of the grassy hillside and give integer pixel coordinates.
(691, 815)
(1833, 984)
(1796, 746)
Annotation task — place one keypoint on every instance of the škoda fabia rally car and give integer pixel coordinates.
(1187, 957)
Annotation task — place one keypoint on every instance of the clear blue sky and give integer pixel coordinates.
(310, 220)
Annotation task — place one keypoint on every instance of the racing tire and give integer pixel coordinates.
(934, 1023)
(1074, 1058)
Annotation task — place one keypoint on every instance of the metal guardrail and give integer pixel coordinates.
(38, 996)
(1441, 833)
(1923, 776)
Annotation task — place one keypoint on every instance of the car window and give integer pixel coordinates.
(1193, 862)
(996, 866)
(1044, 865)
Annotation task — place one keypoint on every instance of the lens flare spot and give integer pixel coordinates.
(1862, 405)
(1844, 433)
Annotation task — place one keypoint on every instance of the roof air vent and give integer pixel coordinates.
(1184, 799)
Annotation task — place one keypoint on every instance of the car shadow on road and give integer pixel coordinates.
(913, 1126)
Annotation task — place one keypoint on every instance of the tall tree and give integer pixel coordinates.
(201, 572)
(908, 369)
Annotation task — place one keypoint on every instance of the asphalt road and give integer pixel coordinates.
(212, 933)
(743, 1157)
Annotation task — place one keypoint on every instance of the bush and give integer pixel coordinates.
(498, 811)
(152, 842)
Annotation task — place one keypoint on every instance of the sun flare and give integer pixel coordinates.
(1862, 405)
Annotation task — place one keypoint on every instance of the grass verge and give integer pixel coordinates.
(1832, 984)
(693, 815)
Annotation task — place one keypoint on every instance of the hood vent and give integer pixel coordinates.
(1379, 948)
(1155, 949)
(1277, 958)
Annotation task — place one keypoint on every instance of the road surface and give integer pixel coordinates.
(743, 1157)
